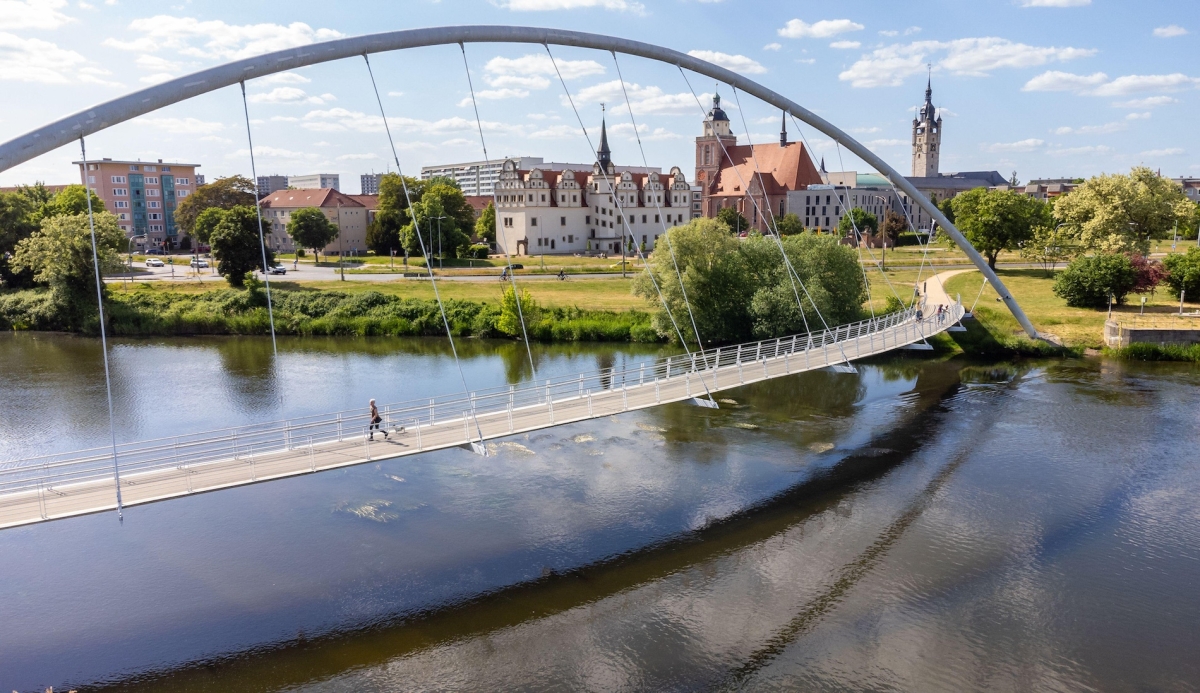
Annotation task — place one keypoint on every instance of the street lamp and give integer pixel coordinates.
(129, 251)
(439, 239)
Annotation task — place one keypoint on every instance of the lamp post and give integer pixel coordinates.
(439, 220)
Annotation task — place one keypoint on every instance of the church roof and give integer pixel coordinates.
(783, 169)
(603, 154)
(717, 113)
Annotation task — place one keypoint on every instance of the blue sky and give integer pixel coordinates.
(1047, 88)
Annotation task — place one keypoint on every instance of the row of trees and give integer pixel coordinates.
(438, 209)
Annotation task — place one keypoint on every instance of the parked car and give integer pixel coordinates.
(153, 251)
(154, 262)
(199, 264)
(203, 249)
(277, 269)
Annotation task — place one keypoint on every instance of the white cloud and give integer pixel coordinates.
(643, 100)
(518, 81)
(156, 78)
(1055, 3)
(806, 61)
(822, 29)
(1028, 145)
(214, 138)
(290, 95)
(1138, 116)
(495, 95)
(865, 131)
(285, 78)
(886, 143)
(1098, 84)
(1170, 31)
(842, 45)
(1091, 129)
(889, 32)
(1148, 102)
(976, 57)
(557, 132)
(1172, 151)
(32, 14)
(284, 119)
(550, 5)
(772, 47)
(538, 64)
(357, 157)
(153, 62)
(737, 63)
(1072, 151)
(216, 40)
(1055, 80)
(42, 62)
(395, 93)
(344, 120)
(267, 152)
(183, 126)
(647, 135)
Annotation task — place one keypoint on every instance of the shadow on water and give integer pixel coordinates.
(315, 657)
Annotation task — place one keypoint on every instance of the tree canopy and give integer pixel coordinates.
(1117, 213)
(997, 220)
(310, 228)
(222, 193)
(1183, 272)
(894, 224)
(21, 214)
(236, 246)
(739, 288)
(789, 224)
(485, 226)
(59, 253)
(387, 232)
(730, 217)
(858, 218)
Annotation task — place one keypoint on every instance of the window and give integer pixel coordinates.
(570, 238)
(156, 227)
(123, 217)
(543, 197)
(182, 181)
(643, 218)
(655, 218)
(531, 197)
(508, 221)
(92, 180)
(181, 193)
(539, 242)
(533, 222)
(165, 169)
(121, 204)
(149, 168)
(153, 204)
(151, 180)
(155, 216)
(562, 221)
(118, 179)
(151, 192)
(587, 219)
(574, 198)
(120, 192)
(134, 167)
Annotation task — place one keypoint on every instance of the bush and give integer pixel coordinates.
(1089, 281)
(1147, 273)
(299, 252)
(478, 251)
(1183, 273)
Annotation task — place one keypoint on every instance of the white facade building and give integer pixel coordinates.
(478, 178)
(315, 180)
(545, 210)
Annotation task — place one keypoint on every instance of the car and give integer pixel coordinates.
(153, 251)
(277, 269)
(154, 262)
(199, 264)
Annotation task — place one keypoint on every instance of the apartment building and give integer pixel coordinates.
(315, 181)
(269, 184)
(143, 195)
(352, 214)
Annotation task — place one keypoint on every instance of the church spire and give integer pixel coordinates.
(783, 131)
(603, 155)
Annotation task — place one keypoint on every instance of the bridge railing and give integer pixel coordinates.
(253, 440)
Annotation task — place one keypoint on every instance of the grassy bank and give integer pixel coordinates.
(156, 311)
(1156, 352)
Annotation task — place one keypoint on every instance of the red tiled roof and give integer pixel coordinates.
(311, 197)
(783, 168)
(368, 201)
(478, 202)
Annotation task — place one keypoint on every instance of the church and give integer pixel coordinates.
(545, 211)
(727, 173)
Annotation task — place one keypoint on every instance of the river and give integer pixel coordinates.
(921, 525)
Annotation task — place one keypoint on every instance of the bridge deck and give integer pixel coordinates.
(61, 486)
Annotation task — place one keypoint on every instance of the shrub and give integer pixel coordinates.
(478, 251)
(1147, 273)
(1089, 281)
(1183, 273)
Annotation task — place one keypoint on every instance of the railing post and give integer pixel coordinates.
(235, 449)
(687, 381)
(368, 439)
(717, 369)
(339, 426)
(657, 393)
(312, 456)
(668, 373)
(589, 398)
(549, 402)
(510, 408)
(431, 411)
(420, 445)
(466, 428)
(253, 469)
(624, 400)
(641, 373)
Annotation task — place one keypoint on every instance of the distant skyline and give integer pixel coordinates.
(1048, 88)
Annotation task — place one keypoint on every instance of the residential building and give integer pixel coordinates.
(1043, 189)
(143, 195)
(369, 183)
(754, 179)
(478, 178)
(350, 213)
(199, 179)
(315, 181)
(593, 210)
(269, 184)
(1191, 187)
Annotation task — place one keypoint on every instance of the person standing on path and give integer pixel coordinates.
(376, 419)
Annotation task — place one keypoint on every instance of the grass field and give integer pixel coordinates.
(1033, 289)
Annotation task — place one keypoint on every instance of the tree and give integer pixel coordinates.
(1048, 248)
(736, 223)
(393, 215)
(222, 193)
(858, 218)
(485, 226)
(1088, 282)
(70, 201)
(439, 230)
(789, 224)
(236, 246)
(1147, 273)
(894, 224)
(1119, 213)
(310, 228)
(997, 220)
(60, 254)
(16, 224)
(1183, 272)
(510, 318)
(205, 222)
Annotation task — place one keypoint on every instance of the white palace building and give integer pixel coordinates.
(543, 212)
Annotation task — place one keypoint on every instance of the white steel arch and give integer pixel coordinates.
(66, 130)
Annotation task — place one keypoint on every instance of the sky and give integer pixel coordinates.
(1045, 88)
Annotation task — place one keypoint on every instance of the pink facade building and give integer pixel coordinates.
(143, 195)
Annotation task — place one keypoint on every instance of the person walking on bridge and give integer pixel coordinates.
(376, 419)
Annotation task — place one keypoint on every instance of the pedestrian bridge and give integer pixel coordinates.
(77, 483)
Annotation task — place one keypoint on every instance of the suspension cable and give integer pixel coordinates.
(616, 197)
(112, 430)
(658, 206)
(512, 275)
(258, 214)
(428, 264)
